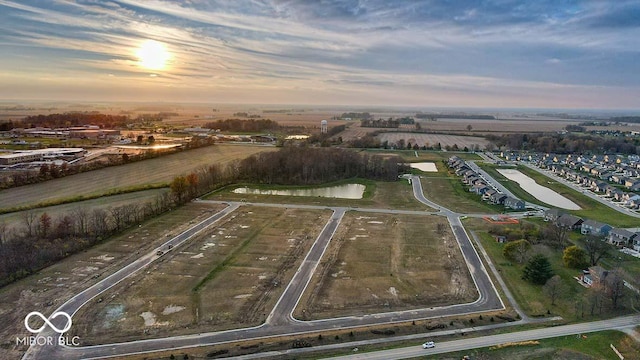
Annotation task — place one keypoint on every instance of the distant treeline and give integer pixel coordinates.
(356, 116)
(240, 125)
(567, 143)
(74, 119)
(628, 119)
(455, 116)
(380, 123)
(246, 115)
(279, 111)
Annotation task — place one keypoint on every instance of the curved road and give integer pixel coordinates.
(280, 321)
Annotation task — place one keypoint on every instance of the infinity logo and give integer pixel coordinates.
(66, 327)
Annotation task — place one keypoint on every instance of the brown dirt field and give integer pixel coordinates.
(153, 171)
(255, 249)
(379, 263)
(50, 287)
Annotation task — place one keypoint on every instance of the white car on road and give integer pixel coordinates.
(428, 345)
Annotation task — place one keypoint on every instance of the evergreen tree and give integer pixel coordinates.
(538, 270)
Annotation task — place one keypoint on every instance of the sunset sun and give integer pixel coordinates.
(153, 55)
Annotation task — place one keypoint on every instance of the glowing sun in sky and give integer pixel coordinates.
(153, 55)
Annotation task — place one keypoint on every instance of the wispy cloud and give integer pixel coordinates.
(488, 49)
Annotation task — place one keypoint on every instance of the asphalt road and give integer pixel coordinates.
(283, 310)
(280, 321)
(491, 340)
(72, 305)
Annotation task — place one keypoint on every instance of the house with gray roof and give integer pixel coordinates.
(621, 237)
(569, 221)
(513, 203)
(596, 228)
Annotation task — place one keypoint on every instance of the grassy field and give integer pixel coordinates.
(149, 172)
(255, 249)
(378, 194)
(425, 155)
(587, 347)
(433, 139)
(51, 286)
(449, 191)
(138, 197)
(377, 263)
(591, 209)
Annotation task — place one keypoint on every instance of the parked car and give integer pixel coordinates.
(428, 345)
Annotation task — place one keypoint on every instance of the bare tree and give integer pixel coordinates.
(615, 287)
(29, 218)
(99, 223)
(118, 214)
(596, 248)
(595, 297)
(554, 288)
(556, 235)
(81, 216)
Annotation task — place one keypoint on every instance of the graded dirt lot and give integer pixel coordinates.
(229, 276)
(383, 262)
(47, 289)
(153, 171)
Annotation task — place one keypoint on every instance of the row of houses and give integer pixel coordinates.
(614, 176)
(478, 185)
(617, 236)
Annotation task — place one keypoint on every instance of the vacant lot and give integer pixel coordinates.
(434, 139)
(153, 171)
(230, 276)
(378, 263)
(50, 287)
(425, 155)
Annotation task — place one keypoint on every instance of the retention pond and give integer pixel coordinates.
(538, 191)
(347, 191)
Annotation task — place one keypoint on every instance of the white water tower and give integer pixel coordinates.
(324, 126)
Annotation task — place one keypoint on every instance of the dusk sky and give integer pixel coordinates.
(535, 54)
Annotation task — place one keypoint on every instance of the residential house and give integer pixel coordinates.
(621, 237)
(599, 186)
(513, 203)
(595, 228)
(618, 195)
(480, 188)
(633, 202)
(629, 183)
(552, 214)
(498, 198)
(569, 221)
